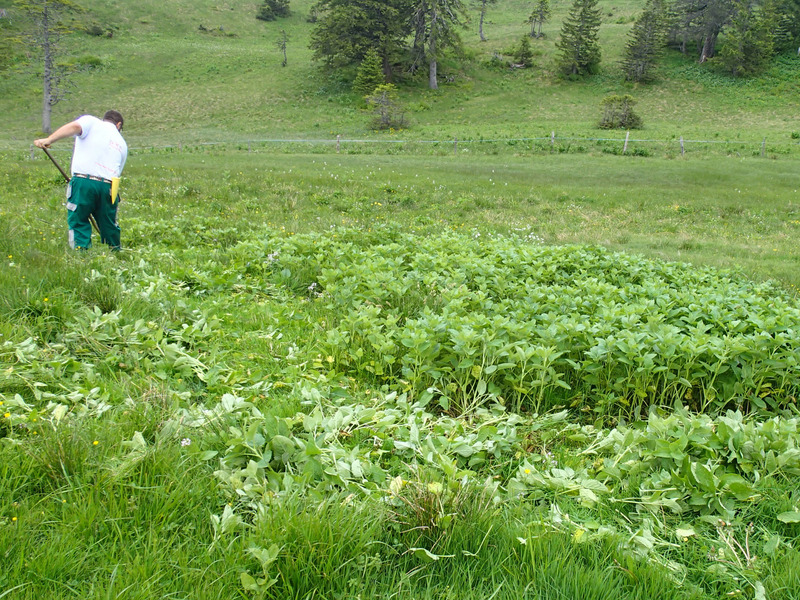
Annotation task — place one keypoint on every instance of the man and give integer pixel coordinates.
(97, 162)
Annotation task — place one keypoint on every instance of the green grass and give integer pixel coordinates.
(175, 424)
(158, 72)
(132, 514)
(726, 212)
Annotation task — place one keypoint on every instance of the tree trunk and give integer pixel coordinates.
(709, 45)
(47, 82)
(387, 68)
(432, 81)
(480, 26)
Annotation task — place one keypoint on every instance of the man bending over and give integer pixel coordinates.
(97, 162)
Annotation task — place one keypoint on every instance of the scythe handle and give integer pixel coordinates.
(58, 166)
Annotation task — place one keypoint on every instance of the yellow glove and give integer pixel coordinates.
(114, 189)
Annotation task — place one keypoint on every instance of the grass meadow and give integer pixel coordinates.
(455, 361)
(244, 401)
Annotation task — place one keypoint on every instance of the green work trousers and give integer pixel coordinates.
(85, 198)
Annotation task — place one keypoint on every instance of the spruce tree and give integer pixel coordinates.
(346, 29)
(524, 55)
(435, 25)
(578, 45)
(484, 4)
(540, 14)
(370, 74)
(749, 39)
(645, 42)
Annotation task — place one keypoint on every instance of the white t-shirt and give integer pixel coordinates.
(100, 150)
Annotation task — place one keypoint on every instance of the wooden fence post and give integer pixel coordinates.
(455, 146)
(763, 147)
(552, 139)
(625, 147)
(682, 150)
(338, 140)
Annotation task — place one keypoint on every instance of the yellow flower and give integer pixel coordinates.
(13, 519)
(45, 299)
(94, 443)
(527, 471)
(7, 415)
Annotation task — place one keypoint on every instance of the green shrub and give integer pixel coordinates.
(618, 113)
(272, 10)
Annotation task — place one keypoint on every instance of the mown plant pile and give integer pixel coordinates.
(370, 412)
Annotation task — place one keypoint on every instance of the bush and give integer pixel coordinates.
(94, 29)
(272, 9)
(388, 112)
(618, 113)
(89, 61)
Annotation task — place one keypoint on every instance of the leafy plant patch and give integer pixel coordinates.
(464, 322)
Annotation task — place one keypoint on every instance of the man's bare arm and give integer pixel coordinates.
(65, 131)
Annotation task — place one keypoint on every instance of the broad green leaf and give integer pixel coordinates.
(395, 485)
(704, 478)
(685, 531)
(789, 517)
(248, 582)
(772, 545)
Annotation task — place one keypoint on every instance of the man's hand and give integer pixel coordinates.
(65, 131)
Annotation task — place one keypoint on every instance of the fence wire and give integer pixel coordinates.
(553, 143)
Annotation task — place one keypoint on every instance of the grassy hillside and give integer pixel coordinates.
(177, 83)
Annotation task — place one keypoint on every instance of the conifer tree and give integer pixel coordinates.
(346, 29)
(483, 7)
(578, 45)
(787, 25)
(700, 22)
(370, 74)
(749, 39)
(540, 14)
(435, 24)
(645, 42)
(524, 55)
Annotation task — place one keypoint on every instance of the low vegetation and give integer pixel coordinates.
(330, 382)
(501, 355)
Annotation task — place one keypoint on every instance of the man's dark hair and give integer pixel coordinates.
(114, 117)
